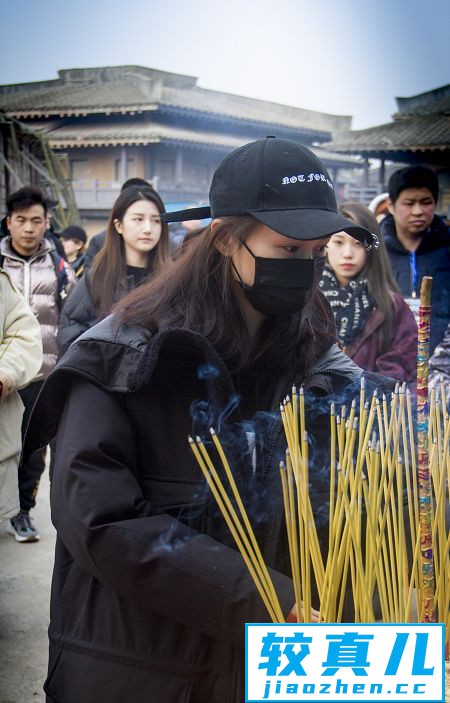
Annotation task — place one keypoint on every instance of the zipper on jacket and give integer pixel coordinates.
(413, 273)
(275, 435)
(26, 281)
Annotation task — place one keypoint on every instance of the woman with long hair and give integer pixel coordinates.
(150, 595)
(136, 246)
(375, 326)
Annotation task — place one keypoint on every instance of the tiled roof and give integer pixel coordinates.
(433, 102)
(252, 109)
(117, 96)
(125, 89)
(432, 108)
(422, 133)
(131, 134)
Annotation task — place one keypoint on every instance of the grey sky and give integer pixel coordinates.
(350, 57)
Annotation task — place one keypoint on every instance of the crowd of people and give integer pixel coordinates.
(117, 353)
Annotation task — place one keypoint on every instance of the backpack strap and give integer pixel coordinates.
(61, 275)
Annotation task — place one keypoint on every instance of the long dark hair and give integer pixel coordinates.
(380, 281)
(108, 280)
(196, 292)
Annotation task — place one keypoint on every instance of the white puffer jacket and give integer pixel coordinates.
(37, 280)
(20, 360)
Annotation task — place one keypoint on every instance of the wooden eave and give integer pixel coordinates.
(81, 112)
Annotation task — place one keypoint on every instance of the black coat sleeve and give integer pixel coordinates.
(94, 247)
(77, 316)
(117, 535)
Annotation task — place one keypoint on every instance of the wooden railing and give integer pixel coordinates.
(99, 194)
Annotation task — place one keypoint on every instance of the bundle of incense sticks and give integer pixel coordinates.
(388, 550)
(372, 561)
(237, 520)
(373, 555)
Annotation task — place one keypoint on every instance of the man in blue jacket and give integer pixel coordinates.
(418, 242)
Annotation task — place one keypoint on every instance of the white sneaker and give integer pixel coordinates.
(22, 528)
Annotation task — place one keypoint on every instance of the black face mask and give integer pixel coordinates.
(281, 285)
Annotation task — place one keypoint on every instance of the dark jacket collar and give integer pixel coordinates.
(122, 360)
(132, 353)
(436, 236)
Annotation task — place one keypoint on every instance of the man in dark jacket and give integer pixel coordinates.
(418, 242)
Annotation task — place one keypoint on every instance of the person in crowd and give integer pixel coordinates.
(97, 241)
(3, 228)
(74, 242)
(44, 279)
(158, 594)
(189, 236)
(191, 228)
(50, 233)
(379, 206)
(136, 245)
(20, 360)
(182, 235)
(375, 326)
(418, 242)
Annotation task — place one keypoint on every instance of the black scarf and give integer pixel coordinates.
(351, 304)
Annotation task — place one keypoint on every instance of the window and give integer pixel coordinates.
(78, 169)
(196, 174)
(131, 169)
(167, 170)
(119, 169)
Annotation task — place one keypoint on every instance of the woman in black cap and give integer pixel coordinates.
(149, 595)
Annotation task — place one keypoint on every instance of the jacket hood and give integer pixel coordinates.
(436, 236)
(119, 360)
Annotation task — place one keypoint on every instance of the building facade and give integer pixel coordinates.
(418, 134)
(114, 123)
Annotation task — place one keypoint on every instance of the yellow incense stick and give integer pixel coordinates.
(242, 544)
(244, 515)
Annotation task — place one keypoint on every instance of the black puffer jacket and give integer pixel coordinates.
(149, 595)
(432, 258)
(77, 316)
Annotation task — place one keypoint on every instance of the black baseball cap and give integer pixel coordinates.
(74, 232)
(282, 184)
